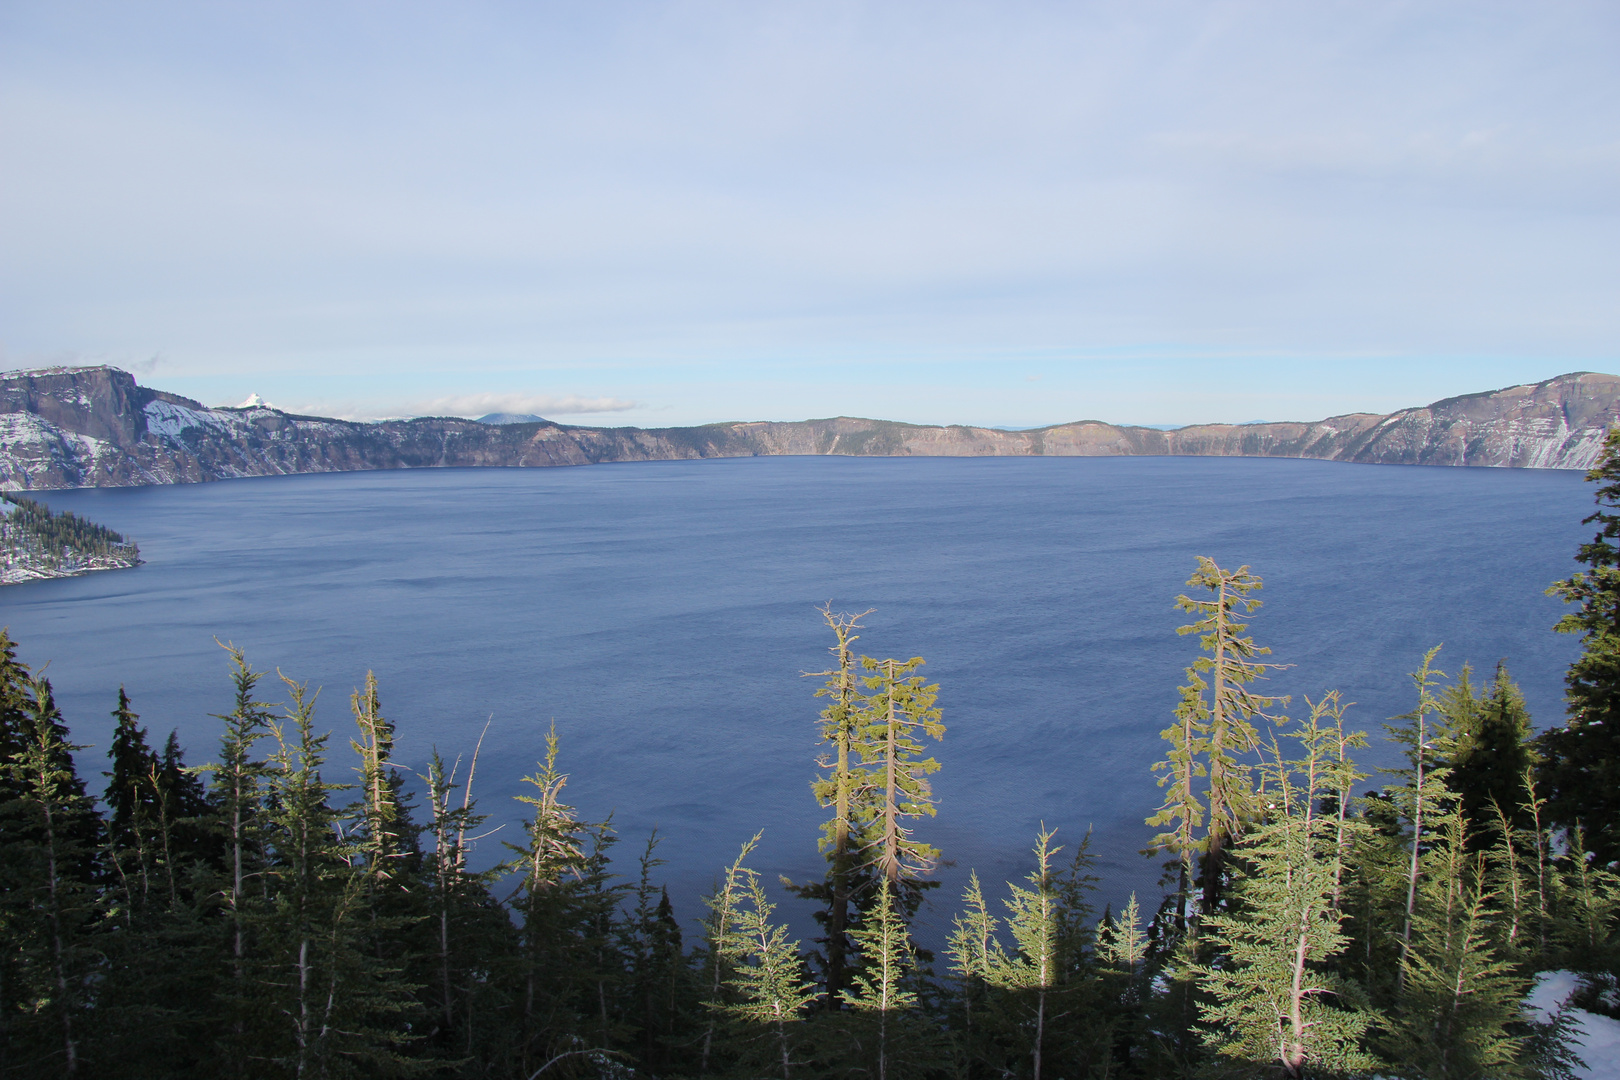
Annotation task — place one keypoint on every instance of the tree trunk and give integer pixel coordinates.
(891, 820)
(58, 950)
(1214, 852)
(838, 916)
(1040, 1030)
(1417, 844)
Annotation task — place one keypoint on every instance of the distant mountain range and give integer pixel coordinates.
(74, 427)
(511, 418)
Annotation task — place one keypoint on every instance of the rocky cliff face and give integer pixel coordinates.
(94, 427)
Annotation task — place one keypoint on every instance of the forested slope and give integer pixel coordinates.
(37, 544)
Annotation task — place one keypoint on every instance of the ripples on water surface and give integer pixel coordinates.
(662, 612)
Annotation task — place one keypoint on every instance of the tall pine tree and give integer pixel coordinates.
(1581, 773)
(1214, 728)
(848, 789)
(49, 839)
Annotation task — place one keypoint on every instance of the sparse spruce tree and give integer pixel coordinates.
(397, 901)
(723, 947)
(975, 955)
(1214, 726)
(471, 934)
(1182, 810)
(848, 789)
(1232, 708)
(1423, 800)
(386, 838)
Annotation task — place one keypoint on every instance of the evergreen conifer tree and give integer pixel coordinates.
(769, 981)
(660, 981)
(131, 791)
(13, 695)
(387, 838)
(1490, 750)
(900, 711)
(242, 826)
(848, 789)
(398, 897)
(896, 1044)
(49, 836)
(1034, 919)
(471, 933)
(132, 797)
(723, 947)
(1423, 800)
(563, 903)
(1586, 922)
(1215, 722)
(335, 1002)
(1526, 880)
(1581, 772)
(1277, 1002)
(155, 999)
(185, 809)
(1458, 1011)
(1040, 1006)
(1123, 948)
(975, 955)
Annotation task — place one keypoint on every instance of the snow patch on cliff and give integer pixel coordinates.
(32, 449)
(168, 420)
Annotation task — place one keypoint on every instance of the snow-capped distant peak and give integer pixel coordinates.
(254, 401)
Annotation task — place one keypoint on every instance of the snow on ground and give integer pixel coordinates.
(168, 419)
(1598, 1037)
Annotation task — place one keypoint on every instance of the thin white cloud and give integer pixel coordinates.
(535, 404)
(468, 405)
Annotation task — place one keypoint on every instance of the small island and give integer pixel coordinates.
(37, 544)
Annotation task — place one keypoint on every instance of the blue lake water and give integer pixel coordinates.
(662, 612)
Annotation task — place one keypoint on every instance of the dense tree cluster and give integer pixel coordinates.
(274, 914)
(34, 539)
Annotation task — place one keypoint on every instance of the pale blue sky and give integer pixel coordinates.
(1008, 213)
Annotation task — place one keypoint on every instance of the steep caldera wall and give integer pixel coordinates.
(94, 427)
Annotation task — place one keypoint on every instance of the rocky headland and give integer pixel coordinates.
(37, 544)
(77, 427)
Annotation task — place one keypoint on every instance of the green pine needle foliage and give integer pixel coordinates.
(1276, 999)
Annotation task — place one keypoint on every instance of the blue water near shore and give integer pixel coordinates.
(661, 613)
